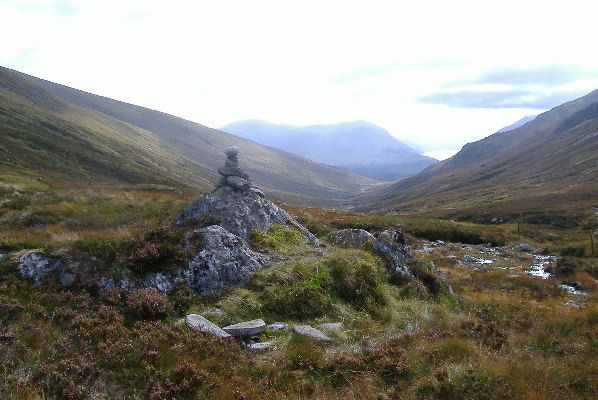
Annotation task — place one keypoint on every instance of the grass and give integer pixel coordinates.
(506, 335)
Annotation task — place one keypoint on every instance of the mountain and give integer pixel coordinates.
(547, 164)
(357, 146)
(518, 123)
(57, 132)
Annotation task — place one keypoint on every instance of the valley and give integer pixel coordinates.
(492, 292)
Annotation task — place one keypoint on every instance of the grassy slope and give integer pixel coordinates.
(552, 159)
(186, 151)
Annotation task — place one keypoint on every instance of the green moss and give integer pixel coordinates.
(279, 238)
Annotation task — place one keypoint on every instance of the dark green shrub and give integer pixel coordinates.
(302, 301)
(565, 266)
(357, 278)
(425, 272)
(573, 251)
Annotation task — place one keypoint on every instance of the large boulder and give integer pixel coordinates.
(223, 261)
(238, 211)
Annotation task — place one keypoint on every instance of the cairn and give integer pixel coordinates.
(233, 175)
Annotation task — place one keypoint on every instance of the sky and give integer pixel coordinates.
(436, 74)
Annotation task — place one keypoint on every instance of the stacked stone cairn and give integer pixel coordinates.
(233, 175)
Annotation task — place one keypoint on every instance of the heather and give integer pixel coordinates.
(504, 334)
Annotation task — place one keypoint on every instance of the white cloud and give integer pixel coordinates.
(306, 62)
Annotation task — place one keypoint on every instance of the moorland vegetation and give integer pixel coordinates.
(505, 334)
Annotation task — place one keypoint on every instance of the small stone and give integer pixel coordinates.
(231, 171)
(66, 278)
(277, 326)
(222, 182)
(238, 183)
(202, 324)
(106, 283)
(231, 163)
(311, 332)
(257, 191)
(259, 346)
(469, 259)
(525, 247)
(247, 328)
(231, 151)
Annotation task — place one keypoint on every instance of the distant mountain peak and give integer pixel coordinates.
(356, 146)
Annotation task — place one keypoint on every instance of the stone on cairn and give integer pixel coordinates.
(233, 175)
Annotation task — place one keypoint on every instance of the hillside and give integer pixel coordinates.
(63, 133)
(357, 146)
(549, 163)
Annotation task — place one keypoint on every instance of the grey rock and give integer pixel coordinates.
(331, 326)
(162, 282)
(260, 346)
(525, 247)
(127, 284)
(222, 182)
(353, 238)
(106, 283)
(311, 332)
(66, 278)
(391, 244)
(247, 328)
(33, 264)
(239, 212)
(231, 151)
(198, 322)
(257, 191)
(238, 182)
(225, 261)
(277, 326)
(231, 163)
(231, 171)
(469, 259)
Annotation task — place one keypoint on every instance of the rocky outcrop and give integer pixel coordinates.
(237, 206)
(35, 265)
(224, 261)
(391, 244)
(219, 227)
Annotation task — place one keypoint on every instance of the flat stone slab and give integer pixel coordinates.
(247, 328)
(311, 332)
(260, 346)
(331, 326)
(202, 324)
